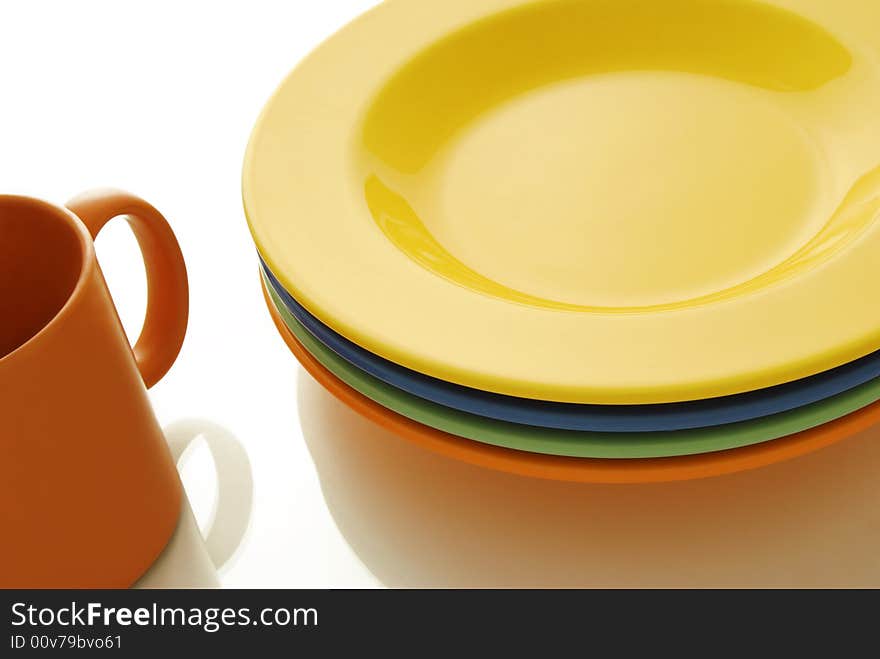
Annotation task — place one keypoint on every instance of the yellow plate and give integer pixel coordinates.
(589, 201)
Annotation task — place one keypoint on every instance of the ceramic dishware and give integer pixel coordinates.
(580, 444)
(593, 418)
(89, 494)
(556, 200)
(582, 470)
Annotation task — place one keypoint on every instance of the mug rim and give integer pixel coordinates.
(87, 262)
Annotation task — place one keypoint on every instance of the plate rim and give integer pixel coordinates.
(578, 444)
(365, 262)
(541, 413)
(579, 470)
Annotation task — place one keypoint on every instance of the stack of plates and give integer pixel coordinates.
(581, 239)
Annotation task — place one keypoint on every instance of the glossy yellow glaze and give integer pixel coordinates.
(585, 200)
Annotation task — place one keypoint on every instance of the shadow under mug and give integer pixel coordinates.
(89, 492)
(193, 558)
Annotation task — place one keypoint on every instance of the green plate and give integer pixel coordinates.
(580, 444)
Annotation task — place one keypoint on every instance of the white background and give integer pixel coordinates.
(159, 98)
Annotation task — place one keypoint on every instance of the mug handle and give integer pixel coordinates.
(235, 486)
(167, 286)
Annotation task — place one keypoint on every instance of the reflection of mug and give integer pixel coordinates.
(192, 558)
(89, 493)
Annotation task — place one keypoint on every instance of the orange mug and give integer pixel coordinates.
(89, 492)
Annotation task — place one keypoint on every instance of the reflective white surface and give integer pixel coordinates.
(196, 553)
(185, 562)
(417, 519)
(159, 99)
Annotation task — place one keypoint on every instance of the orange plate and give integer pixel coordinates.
(583, 470)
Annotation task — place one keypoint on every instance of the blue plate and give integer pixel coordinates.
(599, 418)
